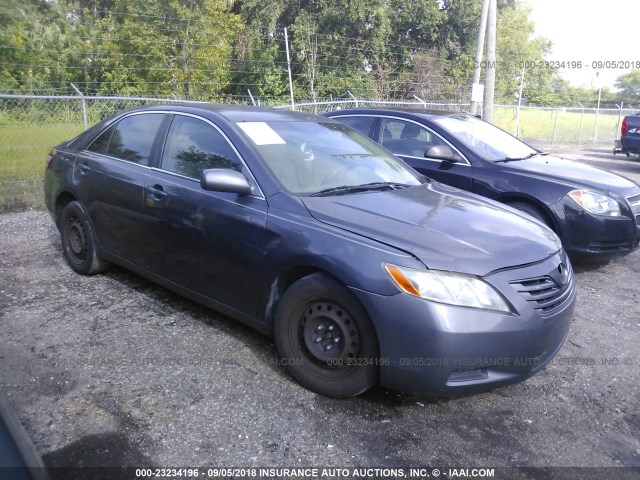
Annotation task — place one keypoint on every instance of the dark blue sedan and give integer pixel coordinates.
(364, 270)
(594, 212)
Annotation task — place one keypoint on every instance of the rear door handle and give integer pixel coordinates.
(84, 168)
(157, 190)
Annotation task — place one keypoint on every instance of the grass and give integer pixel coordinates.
(537, 125)
(23, 148)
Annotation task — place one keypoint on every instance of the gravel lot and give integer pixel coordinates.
(113, 370)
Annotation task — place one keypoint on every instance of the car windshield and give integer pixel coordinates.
(317, 158)
(485, 140)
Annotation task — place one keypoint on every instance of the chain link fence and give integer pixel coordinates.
(31, 125)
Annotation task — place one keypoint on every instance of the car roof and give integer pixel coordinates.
(234, 112)
(413, 111)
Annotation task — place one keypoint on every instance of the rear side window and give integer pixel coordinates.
(361, 124)
(101, 143)
(133, 138)
(193, 146)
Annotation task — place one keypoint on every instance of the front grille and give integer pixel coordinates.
(634, 200)
(544, 293)
(634, 203)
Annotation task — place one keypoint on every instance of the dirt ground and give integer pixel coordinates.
(114, 370)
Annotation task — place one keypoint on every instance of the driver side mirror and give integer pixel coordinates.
(442, 152)
(225, 180)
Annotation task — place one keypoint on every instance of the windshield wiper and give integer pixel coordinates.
(517, 159)
(367, 187)
(353, 155)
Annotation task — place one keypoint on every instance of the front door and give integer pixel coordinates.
(409, 141)
(209, 242)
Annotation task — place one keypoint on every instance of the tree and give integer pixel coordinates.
(628, 86)
(179, 48)
(39, 44)
(516, 48)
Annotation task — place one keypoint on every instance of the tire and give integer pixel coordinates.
(78, 241)
(313, 319)
(532, 211)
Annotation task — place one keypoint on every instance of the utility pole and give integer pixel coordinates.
(477, 64)
(286, 44)
(490, 71)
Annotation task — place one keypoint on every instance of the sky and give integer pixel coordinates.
(587, 31)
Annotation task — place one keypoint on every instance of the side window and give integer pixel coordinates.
(361, 124)
(407, 138)
(100, 144)
(133, 137)
(193, 146)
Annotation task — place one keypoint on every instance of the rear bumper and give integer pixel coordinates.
(428, 348)
(630, 143)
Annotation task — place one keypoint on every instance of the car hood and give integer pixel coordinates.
(445, 228)
(573, 173)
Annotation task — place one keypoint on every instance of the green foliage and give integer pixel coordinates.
(211, 49)
(182, 48)
(629, 86)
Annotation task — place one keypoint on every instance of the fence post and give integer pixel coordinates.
(84, 106)
(253, 101)
(581, 118)
(519, 103)
(595, 134)
(619, 119)
(355, 100)
(553, 135)
(424, 104)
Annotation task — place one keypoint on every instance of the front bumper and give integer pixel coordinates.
(585, 235)
(427, 348)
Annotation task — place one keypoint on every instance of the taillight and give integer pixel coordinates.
(625, 126)
(50, 158)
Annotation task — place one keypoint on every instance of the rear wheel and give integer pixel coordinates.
(78, 242)
(326, 338)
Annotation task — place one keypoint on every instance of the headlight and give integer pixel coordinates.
(447, 287)
(595, 202)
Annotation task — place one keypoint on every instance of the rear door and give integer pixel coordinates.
(110, 175)
(410, 140)
(365, 124)
(209, 242)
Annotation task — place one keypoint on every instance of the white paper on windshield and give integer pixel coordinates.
(261, 133)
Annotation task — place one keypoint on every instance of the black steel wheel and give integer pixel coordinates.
(78, 243)
(326, 338)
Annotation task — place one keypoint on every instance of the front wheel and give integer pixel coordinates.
(532, 211)
(78, 242)
(326, 338)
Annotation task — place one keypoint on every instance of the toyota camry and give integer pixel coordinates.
(362, 269)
